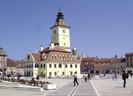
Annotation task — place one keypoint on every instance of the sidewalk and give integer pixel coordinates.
(84, 89)
(109, 87)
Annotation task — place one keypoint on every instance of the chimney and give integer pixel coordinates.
(115, 56)
(36, 51)
(51, 46)
(96, 57)
(41, 48)
(74, 52)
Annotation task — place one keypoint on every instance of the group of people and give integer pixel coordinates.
(114, 76)
(124, 77)
(85, 78)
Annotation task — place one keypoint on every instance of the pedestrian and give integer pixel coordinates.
(127, 75)
(33, 81)
(18, 77)
(115, 76)
(42, 75)
(124, 76)
(75, 80)
(89, 76)
(85, 77)
(37, 77)
(131, 74)
(104, 75)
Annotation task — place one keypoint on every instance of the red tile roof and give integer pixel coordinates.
(131, 53)
(93, 60)
(57, 51)
(88, 59)
(13, 63)
(36, 56)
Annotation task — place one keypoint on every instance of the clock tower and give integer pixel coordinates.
(60, 32)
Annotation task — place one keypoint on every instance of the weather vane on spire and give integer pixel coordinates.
(60, 9)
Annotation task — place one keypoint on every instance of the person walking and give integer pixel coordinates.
(85, 77)
(33, 81)
(89, 76)
(116, 76)
(113, 76)
(75, 80)
(124, 76)
(131, 74)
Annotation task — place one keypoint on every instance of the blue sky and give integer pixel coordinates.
(100, 28)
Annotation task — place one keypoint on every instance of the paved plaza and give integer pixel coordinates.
(94, 87)
(109, 87)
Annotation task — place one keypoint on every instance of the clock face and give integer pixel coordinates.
(64, 31)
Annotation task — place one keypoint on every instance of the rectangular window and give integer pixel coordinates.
(54, 65)
(50, 65)
(44, 65)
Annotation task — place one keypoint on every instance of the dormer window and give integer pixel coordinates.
(28, 57)
(54, 31)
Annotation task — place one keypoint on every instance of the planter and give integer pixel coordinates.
(49, 86)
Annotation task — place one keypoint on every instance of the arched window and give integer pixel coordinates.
(52, 57)
(71, 66)
(50, 73)
(66, 66)
(55, 73)
(50, 65)
(76, 66)
(54, 65)
(60, 65)
(36, 65)
(28, 57)
(54, 31)
(63, 73)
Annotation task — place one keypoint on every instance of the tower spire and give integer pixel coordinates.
(60, 20)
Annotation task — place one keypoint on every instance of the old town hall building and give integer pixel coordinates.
(55, 60)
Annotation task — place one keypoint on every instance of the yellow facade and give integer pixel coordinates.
(53, 69)
(29, 66)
